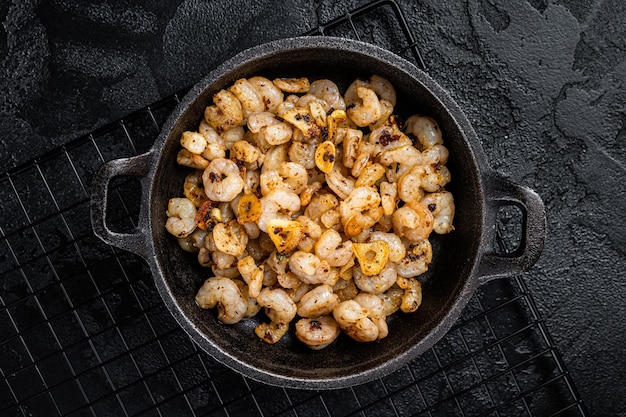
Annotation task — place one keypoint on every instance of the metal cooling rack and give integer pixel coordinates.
(83, 331)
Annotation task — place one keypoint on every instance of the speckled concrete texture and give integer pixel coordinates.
(543, 83)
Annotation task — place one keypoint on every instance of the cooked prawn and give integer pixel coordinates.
(224, 293)
(318, 302)
(317, 333)
(222, 180)
(441, 205)
(181, 217)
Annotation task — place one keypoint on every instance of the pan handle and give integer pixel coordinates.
(135, 241)
(500, 192)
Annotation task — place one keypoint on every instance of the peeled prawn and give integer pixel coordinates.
(317, 333)
(375, 311)
(279, 307)
(354, 321)
(376, 284)
(278, 204)
(309, 268)
(415, 262)
(412, 297)
(292, 85)
(441, 205)
(181, 215)
(273, 131)
(222, 181)
(425, 129)
(230, 237)
(269, 93)
(193, 188)
(333, 249)
(250, 101)
(340, 184)
(329, 92)
(415, 223)
(318, 302)
(367, 110)
(224, 293)
(226, 113)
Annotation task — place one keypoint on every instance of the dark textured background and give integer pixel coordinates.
(543, 82)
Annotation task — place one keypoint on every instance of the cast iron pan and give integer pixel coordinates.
(463, 259)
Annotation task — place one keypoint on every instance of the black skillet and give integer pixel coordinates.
(463, 259)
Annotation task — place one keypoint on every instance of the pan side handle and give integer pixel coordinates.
(137, 240)
(500, 192)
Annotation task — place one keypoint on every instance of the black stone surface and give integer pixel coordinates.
(543, 82)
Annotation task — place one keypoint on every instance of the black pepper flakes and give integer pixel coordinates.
(315, 325)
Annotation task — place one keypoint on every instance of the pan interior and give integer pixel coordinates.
(445, 283)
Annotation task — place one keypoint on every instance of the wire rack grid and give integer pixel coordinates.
(83, 331)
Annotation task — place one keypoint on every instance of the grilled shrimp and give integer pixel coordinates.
(432, 178)
(251, 102)
(425, 129)
(410, 185)
(397, 250)
(375, 311)
(292, 85)
(370, 175)
(303, 153)
(415, 262)
(436, 155)
(191, 160)
(194, 142)
(309, 191)
(309, 268)
(376, 284)
(193, 188)
(181, 215)
(405, 154)
(317, 333)
(226, 112)
(223, 260)
(232, 135)
(274, 158)
(247, 153)
(339, 184)
(279, 307)
(351, 139)
(392, 299)
(357, 202)
(318, 302)
(354, 321)
(320, 204)
(215, 147)
(412, 297)
(441, 205)
(253, 307)
(383, 88)
(222, 181)
(329, 92)
(272, 130)
(415, 223)
(278, 204)
(333, 249)
(224, 293)
(193, 242)
(388, 193)
(362, 159)
(366, 111)
(294, 175)
(251, 274)
(269, 93)
(230, 237)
